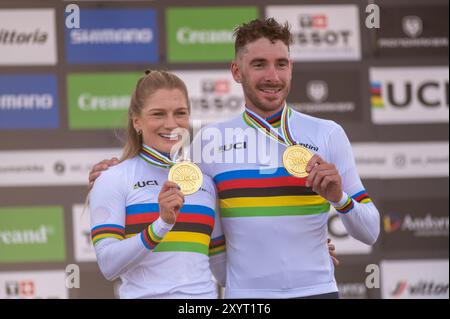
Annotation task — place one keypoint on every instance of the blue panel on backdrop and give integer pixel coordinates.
(113, 36)
(28, 102)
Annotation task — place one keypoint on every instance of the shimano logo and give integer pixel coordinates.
(26, 101)
(111, 36)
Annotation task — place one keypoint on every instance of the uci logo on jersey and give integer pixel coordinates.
(236, 146)
(145, 183)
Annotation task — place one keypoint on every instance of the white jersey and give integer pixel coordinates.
(152, 258)
(276, 227)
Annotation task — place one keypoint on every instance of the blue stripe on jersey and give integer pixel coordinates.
(154, 207)
(254, 173)
(108, 225)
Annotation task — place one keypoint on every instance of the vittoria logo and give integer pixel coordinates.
(142, 184)
(17, 37)
(420, 288)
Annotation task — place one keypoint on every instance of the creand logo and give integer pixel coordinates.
(188, 36)
(39, 235)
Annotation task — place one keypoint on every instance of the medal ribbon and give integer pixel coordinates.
(256, 121)
(154, 157)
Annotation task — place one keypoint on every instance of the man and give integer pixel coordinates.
(275, 224)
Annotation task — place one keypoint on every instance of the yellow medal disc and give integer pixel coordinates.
(295, 159)
(187, 175)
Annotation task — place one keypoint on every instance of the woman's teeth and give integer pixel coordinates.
(169, 136)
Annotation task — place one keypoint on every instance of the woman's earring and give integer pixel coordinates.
(139, 132)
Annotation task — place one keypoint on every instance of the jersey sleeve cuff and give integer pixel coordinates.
(161, 228)
(344, 205)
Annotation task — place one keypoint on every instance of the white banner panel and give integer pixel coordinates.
(27, 37)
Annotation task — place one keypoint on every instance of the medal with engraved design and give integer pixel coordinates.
(295, 159)
(187, 175)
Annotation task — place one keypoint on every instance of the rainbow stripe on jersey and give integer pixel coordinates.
(191, 232)
(252, 193)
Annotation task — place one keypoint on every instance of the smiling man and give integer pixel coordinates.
(275, 224)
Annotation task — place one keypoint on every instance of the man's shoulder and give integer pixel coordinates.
(231, 122)
(121, 170)
(324, 125)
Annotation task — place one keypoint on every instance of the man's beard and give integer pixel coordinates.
(264, 105)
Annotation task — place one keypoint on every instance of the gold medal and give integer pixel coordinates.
(295, 159)
(187, 175)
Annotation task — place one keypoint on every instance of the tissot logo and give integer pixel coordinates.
(21, 288)
(214, 95)
(235, 146)
(318, 34)
(217, 86)
(420, 288)
(318, 21)
(412, 26)
(145, 183)
(321, 32)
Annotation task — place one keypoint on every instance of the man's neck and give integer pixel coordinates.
(265, 114)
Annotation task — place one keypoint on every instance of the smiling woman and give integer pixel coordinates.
(159, 104)
(161, 244)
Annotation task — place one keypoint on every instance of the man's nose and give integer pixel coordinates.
(272, 74)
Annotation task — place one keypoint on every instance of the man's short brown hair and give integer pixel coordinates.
(256, 29)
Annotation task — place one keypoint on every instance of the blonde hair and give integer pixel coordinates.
(146, 86)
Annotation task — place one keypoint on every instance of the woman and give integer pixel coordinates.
(134, 207)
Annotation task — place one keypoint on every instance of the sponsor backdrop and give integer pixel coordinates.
(65, 90)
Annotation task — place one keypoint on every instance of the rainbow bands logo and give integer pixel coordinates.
(375, 95)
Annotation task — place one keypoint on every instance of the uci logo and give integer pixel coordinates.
(427, 93)
(144, 184)
(236, 146)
